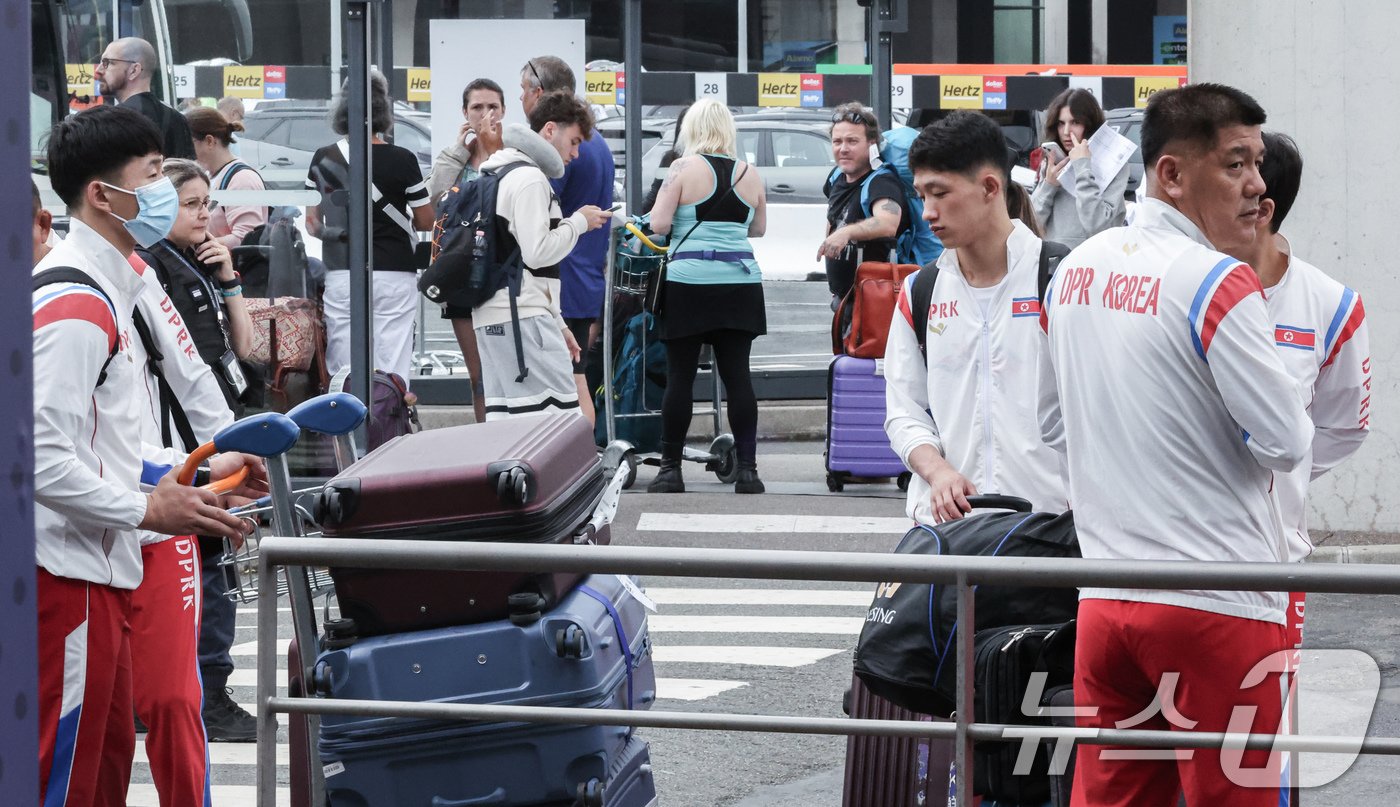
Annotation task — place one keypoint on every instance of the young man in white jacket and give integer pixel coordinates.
(963, 418)
(88, 450)
(1322, 337)
(1162, 383)
(526, 204)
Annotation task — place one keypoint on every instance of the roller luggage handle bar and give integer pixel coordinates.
(644, 238)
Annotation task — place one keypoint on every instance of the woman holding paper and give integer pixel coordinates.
(1084, 172)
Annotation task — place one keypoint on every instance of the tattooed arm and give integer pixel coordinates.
(883, 224)
(669, 197)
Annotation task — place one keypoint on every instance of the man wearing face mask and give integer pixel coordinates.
(88, 389)
(124, 73)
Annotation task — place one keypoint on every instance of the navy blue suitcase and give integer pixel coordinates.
(592, 651)
(629, 782)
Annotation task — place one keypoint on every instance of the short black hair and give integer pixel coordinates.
(97, 143)
(482, 84)
(1194, 115)
(963, 142)
(564, 109)
(1283, 174)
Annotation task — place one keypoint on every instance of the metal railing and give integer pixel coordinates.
(964, 572)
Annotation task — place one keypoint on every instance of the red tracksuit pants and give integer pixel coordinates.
(1126, 654)
(166, 688)
(86, 737)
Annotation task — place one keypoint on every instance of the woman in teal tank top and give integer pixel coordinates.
(710, 204)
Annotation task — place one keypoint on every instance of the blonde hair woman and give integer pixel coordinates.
(710, 204)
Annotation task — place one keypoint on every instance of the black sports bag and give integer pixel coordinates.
(907, 649)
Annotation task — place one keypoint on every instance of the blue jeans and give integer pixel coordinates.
(217, 622)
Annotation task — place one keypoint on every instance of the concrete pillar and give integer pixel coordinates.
(1100, 27)
(850, 33)
(1054, 32)
(1321, 68)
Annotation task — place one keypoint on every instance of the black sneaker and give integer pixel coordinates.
(226, 721)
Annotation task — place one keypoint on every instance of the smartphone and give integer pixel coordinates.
(1053, 150)
(616, 207)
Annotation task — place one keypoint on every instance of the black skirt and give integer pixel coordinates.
(694, 309)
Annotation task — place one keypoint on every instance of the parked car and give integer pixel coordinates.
(279, 140)
(793, 156)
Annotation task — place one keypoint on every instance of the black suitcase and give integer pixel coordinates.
(1006, 658)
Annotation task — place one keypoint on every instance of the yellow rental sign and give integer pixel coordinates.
(779, 89)
(420, 84)
(1145, 86)
(243, 81)
(79, 78)
(960, 92)
(601, 87)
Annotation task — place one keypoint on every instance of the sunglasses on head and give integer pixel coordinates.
(853, 116)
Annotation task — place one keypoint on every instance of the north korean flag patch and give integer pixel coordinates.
(1025, 307)
(1299, 338)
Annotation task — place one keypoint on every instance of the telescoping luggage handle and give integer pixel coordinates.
(996, 501)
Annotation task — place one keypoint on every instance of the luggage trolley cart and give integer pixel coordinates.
(632, 264)
(335, 415)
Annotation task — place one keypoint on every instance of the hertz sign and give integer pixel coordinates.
(960, 92)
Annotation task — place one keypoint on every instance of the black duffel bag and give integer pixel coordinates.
(907, 652)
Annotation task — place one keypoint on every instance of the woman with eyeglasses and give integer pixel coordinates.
(196, 270)
(710, 204)
(1071, 214)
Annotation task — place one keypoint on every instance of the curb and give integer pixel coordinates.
(1379, 553)
(776, 421)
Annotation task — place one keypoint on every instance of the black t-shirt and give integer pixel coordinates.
(843, 207)
(177, 139)
(400, 183)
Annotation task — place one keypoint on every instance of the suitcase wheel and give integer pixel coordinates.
(321, 679)
(903, 481)
(569, 642)
(835, 483)
(590, 794)
(726, 466)
(526, 608)
(514, 482)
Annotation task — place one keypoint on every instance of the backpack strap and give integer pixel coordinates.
(72, 274)
(1051, 253)
(238, 165)
(170, 408)
(920, 298)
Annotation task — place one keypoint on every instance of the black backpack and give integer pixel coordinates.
(1051, 253)
(907, 652)
(475, 255)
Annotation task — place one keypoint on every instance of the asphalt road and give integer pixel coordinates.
(759, 647)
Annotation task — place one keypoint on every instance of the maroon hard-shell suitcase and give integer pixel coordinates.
(892, 771)
(528, 479)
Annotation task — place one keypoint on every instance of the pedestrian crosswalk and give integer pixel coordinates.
(710, 644)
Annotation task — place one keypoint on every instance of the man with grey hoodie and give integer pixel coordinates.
(530, 210)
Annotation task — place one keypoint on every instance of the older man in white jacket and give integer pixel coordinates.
(963, 417)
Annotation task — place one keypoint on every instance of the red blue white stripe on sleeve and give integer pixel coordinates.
(77, 302)
(1227, 283)
(904, 294)
(1348, 317)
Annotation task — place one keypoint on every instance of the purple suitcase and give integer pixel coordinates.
(856, 443)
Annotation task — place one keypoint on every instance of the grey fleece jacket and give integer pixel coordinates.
(1070, 220)
(527, 202)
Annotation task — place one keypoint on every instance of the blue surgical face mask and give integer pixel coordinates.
(158, 205)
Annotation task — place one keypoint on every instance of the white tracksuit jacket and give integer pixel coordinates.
(190, 378)
(1320, 330)
(1162, 383)
(974, 398)
(87, 438)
